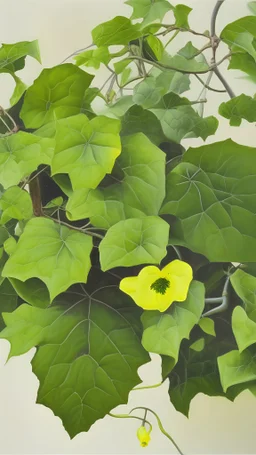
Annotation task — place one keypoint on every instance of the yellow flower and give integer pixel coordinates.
(155, 289)
(143, 436)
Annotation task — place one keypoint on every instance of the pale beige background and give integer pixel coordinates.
(215, 426)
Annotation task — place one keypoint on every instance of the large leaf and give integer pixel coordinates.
(163, 333)
(179, 120)
(139, 120)
(55, 254)
(119, 30)
(237, 368)
(133, 242)
(15, 203)
(236, 109)
(86, 150)
(8, 300)
(189, 65)
(148, 10)
(20, 154)
(138, 189)
(88, 356)
(57, 93)
(240, 35)
(171, 81)
(212, 192)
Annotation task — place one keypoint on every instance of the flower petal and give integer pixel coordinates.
(181, 287)
(178, 268)
(129, 285)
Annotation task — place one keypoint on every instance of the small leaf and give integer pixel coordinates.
(20, 155)
(179, 63)
(55, 254)
(252, 7)
(154, 47)
(12, 56)
(212, 193)
(172, 81)
(188, 51)
(94, 57)
(207, 325)
(240, 34)
(134, 242)
(32, 291)
(244, 285)
(245, 63)
(121, 65)
(244, 329)
(163, 333)
(10, 245)
(57, 93)
(198, 345)
(8, 300)
(137, 191)
(138, 120)
(148, 10)
(181, 13)
(236, 368)
(179, 120)
(236, 109)
(119, 30)
(15, 203)
(88, 352)
(86, 150)
(147, 94)
(20, 88)
(125, 76)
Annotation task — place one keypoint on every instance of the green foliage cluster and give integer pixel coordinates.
(90, 195)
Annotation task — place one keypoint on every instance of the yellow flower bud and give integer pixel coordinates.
(143, 436)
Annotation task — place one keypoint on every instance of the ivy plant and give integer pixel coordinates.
(118, 239)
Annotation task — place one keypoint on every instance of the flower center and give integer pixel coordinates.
(160, 286)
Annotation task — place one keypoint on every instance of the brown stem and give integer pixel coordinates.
(35, 193)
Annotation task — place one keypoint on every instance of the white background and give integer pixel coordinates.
(215, 425)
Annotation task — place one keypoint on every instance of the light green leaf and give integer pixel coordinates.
(212, 193)
(57, 93)
(137, 191)
(20, 88)
(86, 150)
(125, 76)
(236, 109)
(252, 7)
(8, 300)
(119, 108)
(147, 94)
(181, 13)
(179, 62)
(32, 291)
(172, 81)
(198, 345)
(154, 47)
(55, 254)
(21, 154)
(119, 30)
(244, 285)
(245, 63)
(164, 332)
(133, 242)
(240, 35)
(15, 203)
(12, 56)
(121, 65)
(138, 120)
(236, 368)
(207, 325)
(244, 329)
(88, 352)
(179, 120)
(148, 10)
(10, 245)
(188, 51)
(94, 57)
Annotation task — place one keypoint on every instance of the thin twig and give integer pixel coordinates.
(70, 226)
(208, 86)
(78, 52)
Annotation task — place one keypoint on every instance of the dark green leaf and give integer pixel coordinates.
(57, 93)
(139, 120)
(32, 291)
(133, 242)
(88, 353)
(212, 193)
(8, 300)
